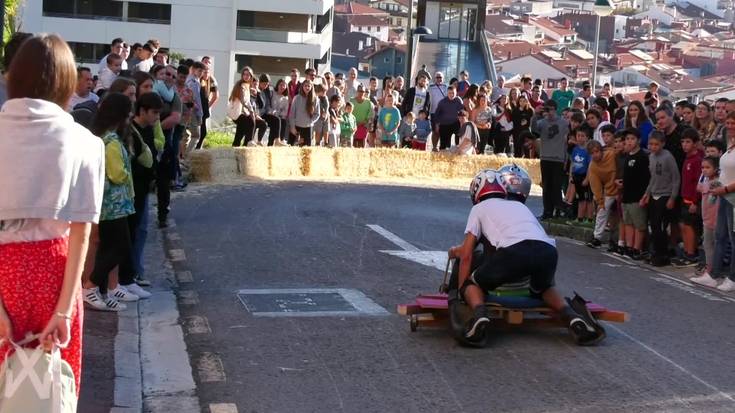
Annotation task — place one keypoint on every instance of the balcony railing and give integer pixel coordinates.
(278, 36)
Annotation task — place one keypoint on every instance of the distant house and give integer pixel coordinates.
(674, 83)
(536, 7)
(398, 10)
(503, 27)
(575, 65)
(368, 24)
(584, 23)
(553, 31)
(388, 60)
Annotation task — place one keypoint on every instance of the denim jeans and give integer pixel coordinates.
(724, 237)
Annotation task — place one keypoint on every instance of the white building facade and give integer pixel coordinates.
(271, 36)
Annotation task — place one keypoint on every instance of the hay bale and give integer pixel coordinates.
(352, 163)
(201, 166)
(285, 162)
(253, 161)
(321, 162)
(349, 163)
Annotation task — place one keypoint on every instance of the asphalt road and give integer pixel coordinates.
(674, 355)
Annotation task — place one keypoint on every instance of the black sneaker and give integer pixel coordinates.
(634, 255)
(613, 249)
(544, 217)
(685, 261)
(142, 281)
(660, 261)
(477, 325)
(594, 243)
(585, 329)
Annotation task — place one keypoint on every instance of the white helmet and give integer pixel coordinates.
(515, 181)
(486, 183)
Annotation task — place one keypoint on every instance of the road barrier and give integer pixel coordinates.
(228, 164)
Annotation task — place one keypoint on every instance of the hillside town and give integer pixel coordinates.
(687, 47)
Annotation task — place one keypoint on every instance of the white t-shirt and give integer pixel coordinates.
(727, 167)
(437, 92)
(103, 64)
(598, 134)
(76, 99)
(504, 223)
(419, 100)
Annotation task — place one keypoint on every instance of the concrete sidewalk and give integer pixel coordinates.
(136, 360)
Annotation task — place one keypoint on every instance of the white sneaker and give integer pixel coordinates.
(728, 285)
(121, 294)
(135, 289)
(252, 143)
(114, 305)
(706, 280)
(93, 299)
(279, 142)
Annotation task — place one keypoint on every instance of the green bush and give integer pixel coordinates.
(217, 139)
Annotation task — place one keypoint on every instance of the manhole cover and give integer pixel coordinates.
(308, 302)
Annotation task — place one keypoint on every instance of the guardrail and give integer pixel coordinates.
(489, 60)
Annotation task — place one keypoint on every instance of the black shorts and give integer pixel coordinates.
(582, 193)
(534, 260)
(687, 218)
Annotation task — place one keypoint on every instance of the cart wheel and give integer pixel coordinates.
(444, 288)
(414, 321)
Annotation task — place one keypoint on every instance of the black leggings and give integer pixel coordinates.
(445, 135)
(500, 141)
(114, 248)
(246, 127)
(202, 133)
(274, 124)
(484, 140)
(302, 134)
(518, 147)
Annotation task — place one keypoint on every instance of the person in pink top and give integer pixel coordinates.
(709, 205)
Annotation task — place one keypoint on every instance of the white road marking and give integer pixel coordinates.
(363, 305)
(405, 245)
(436, 259)
(222, 408)
(673, 363)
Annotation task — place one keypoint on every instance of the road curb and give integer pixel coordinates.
(568, 231)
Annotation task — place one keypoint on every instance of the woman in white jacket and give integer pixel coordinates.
(53, 170)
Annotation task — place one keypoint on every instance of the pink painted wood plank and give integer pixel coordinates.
(436, 303)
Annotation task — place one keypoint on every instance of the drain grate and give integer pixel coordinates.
(314, 302)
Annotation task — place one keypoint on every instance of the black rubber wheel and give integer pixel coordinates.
(414, 323)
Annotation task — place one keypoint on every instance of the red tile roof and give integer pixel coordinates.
(553, 26)
(367, 20)
(357, 9)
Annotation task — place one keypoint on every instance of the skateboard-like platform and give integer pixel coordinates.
(432, 310)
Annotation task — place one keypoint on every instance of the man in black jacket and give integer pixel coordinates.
(417, 98)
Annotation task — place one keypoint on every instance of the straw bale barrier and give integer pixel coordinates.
(217, 165)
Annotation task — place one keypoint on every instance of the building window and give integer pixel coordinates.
(83, 9)
(386, 60)
(399, 22)
(399, 60)
(149, 12)
(323, 21)
(89, 52)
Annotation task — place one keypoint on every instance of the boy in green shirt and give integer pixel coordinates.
(348, 125)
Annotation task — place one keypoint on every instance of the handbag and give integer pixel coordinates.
(234, 109)
(32, 380)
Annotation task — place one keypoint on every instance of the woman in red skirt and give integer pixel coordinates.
(51, 181)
